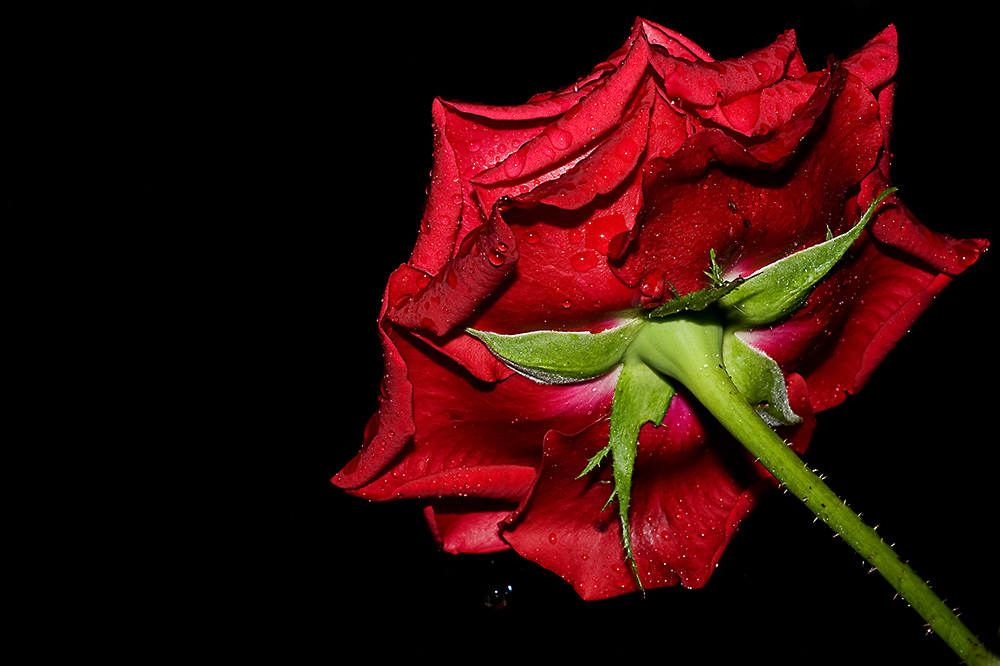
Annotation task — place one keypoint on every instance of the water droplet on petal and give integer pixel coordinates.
(584, 261)
(514, 165)
(560, 138)
(626, 149)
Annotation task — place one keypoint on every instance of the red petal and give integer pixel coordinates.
(876, 62)
(482, 262)
(563, 279)
(898, 227)
(391, 427)
(707, 83)
(764, 110)
(851, 321)
(543, 156)
(602, 170)
(564, 527)
(750, 219)
(471, 438)
(673, 42)
(459, 530)
(686, 505)
(798, 436)
(439, 227)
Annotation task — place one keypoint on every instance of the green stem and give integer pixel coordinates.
(702, 372)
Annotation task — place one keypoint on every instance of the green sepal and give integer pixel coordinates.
(642, 396)
(779, 289)
(561, 357)
(696, 300)
(759, 379)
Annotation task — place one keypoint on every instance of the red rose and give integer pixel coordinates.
(611, 196)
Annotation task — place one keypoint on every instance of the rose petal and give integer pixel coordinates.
(482, 262)
(875, 63)
(750, 219)
(761, 111)
(443, 211)
(563, 278)
(595, 114)
(704, 84)
(460, 529)
(851, 322)
(898, 227)
(390, 427)
(507, 422)
(686, 505)
(602, 170)
(676, 44)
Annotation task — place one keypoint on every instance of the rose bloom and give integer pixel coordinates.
(587, 204)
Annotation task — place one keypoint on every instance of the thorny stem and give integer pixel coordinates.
(705, 376)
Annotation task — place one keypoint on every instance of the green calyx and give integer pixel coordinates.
(691, 341)
(779, 289)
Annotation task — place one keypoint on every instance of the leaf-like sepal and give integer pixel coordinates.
(561, 357)
(759, 379)
(779, 289)
(642, 396)
(696, 300)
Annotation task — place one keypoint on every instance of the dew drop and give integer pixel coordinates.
(552, 538)
(626, 149)
(567, 304)
(584, 261)
(514, 165)
(560, 138)
(531, 238)
(762, 70)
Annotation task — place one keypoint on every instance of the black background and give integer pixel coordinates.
(266, 171)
